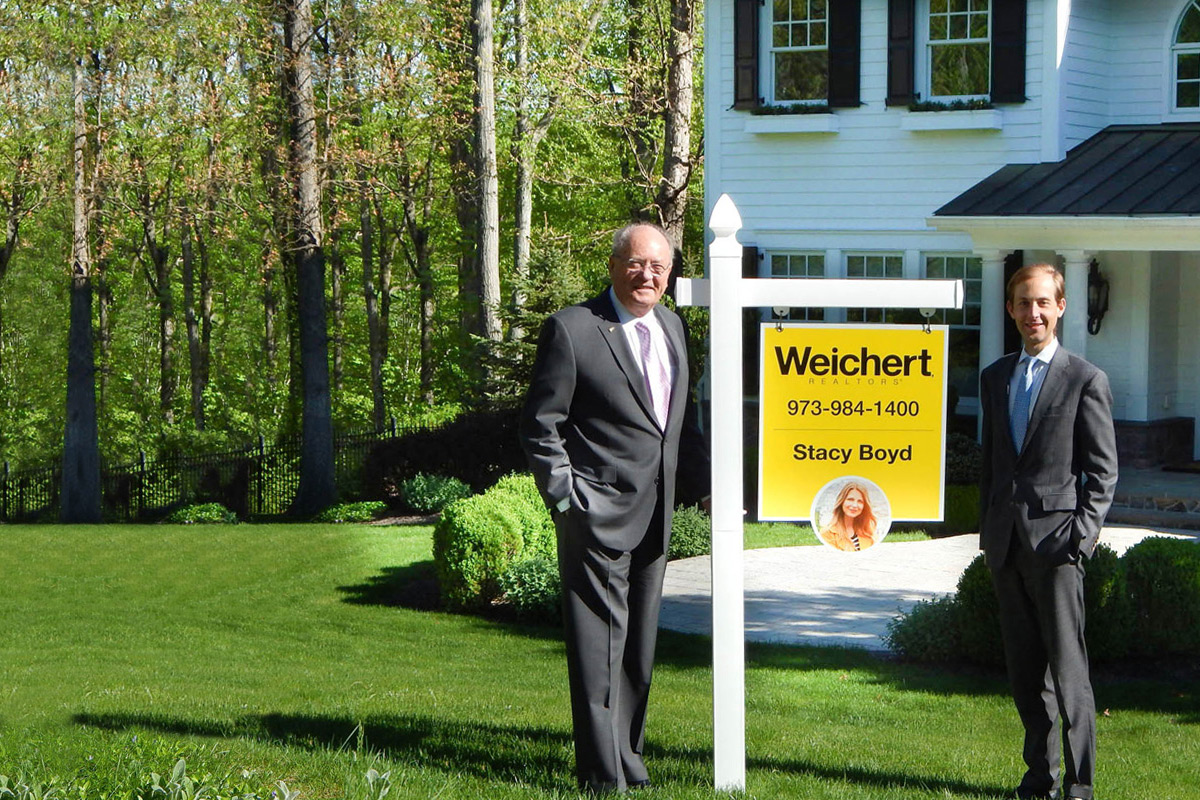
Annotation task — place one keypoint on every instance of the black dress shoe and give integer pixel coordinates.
(1025, 794)
(635, 785)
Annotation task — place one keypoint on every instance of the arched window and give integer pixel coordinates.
(1186, 57)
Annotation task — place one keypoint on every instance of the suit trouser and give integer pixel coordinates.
(1042, 623)
(611, 600)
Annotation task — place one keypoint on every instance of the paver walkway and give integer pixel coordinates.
(818, 595)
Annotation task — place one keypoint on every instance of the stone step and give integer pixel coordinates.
(1153, 517)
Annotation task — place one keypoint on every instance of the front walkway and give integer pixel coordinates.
(818, 595)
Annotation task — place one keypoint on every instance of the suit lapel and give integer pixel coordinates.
(614, 335)
(1001, 399)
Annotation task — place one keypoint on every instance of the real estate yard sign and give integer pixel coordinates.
(840, 401)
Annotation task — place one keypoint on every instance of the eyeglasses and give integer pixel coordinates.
(636, 265)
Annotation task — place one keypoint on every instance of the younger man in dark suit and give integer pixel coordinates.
(1049, 470)
(607, 421)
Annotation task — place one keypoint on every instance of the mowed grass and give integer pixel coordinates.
(287, 652)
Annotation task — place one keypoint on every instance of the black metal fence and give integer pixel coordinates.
(259, 480)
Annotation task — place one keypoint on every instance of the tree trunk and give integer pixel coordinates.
(80, 499)
(190, 320)
(317, 488)
(488, 238)
(672, 196)
(367, 253)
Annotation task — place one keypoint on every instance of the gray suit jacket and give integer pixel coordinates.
(589, 428)
(1056, 492)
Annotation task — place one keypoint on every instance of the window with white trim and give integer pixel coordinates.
(964, 322)
(958, 49)
(798, 51)
(874, 265)
(799, 265)
(1185, 57)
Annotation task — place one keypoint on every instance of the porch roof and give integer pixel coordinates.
(1129, 187)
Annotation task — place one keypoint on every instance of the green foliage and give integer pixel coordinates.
(691, 533)
(479, 538)
(928, 632)
(429, 494)
(963, 459)
(965, 626)
(203, 514)
(364, 511)
(533, 588)
(1163, 579)
(977, 616)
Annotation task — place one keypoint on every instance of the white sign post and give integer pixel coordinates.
(726, 293)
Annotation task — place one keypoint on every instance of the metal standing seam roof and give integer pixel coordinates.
(1124, 170)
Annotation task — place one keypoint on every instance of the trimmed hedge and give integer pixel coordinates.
(534, 589)
(479, 538)
(965, 626)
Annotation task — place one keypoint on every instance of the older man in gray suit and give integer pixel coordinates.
(606, 417)
(1049, 470)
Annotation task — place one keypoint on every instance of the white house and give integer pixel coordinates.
(962, 138)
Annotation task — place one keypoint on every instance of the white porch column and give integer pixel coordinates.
(992, 317)
(1073, 326)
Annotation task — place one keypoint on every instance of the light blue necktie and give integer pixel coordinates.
(1022, 402)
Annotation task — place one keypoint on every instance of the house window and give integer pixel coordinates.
(799, 47)
(875, 265)
(1186, 57)
(964, 322)
(958, 49)
(789, 52)
(799, 265)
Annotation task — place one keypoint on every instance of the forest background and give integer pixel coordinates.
(204, 201)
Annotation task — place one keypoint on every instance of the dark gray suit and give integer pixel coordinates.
(591, 436)
(1041, 512)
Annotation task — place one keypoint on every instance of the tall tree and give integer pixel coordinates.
(317, 488)
(487, 240)
(80, 499)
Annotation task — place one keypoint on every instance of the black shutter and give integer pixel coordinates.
(745, 54)
(749, 261)
(1008, 51)
(845, 49)
(901, 45)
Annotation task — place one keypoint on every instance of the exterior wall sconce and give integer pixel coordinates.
(1097, 298)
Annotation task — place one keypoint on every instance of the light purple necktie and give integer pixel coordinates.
(658, 382)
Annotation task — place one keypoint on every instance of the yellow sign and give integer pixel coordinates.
(845, 405)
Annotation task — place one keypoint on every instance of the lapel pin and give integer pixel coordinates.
(612, 328)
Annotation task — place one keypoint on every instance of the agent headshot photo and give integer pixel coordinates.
(856, 517)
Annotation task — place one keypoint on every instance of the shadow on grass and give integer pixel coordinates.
(880, 778)
(412, 586)
(536, 756)
(532, 755)
(1159, 688)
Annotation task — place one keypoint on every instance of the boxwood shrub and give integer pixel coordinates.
(965, 626)
(534, 589)
(1163, 578)
(479, 538)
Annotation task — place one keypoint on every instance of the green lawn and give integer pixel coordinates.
(271, 652)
